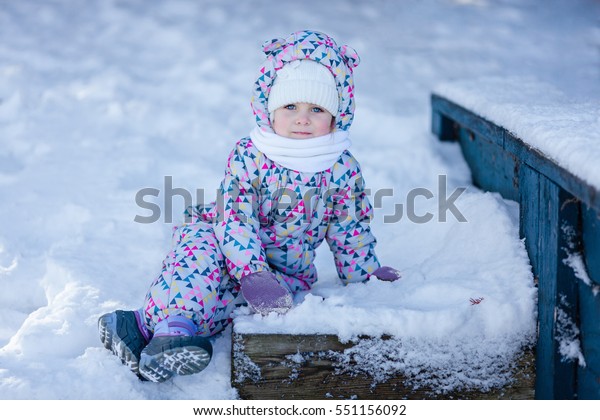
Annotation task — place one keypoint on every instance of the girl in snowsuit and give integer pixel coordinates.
(289, 186)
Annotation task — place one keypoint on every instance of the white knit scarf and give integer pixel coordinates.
(303, 155)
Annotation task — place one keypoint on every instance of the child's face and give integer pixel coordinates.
(302, 121)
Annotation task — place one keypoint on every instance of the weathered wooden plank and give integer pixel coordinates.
(492, 168)
(443, 127)
(533, 228)
(281, 366)
(589, 375)
(544, 208)
(589, 303)
(567, 294)
(591, 243)
(455, 115)
(552, 170)
(466, 118)
(529, 224)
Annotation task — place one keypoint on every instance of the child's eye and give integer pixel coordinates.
(317, 109)
(291, 107)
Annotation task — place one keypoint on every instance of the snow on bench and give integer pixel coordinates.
(534, 145)
(320, 366)
(460, 323)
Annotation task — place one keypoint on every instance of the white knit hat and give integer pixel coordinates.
(304, 81)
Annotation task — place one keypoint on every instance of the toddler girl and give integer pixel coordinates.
(287, 187)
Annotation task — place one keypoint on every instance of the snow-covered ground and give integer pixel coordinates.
(100, 99)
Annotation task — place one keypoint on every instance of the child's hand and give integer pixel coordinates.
(264, 294)
(385, 273)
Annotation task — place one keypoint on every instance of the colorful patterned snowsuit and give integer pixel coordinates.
(268, 217)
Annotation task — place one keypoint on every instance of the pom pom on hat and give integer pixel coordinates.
(304, 81)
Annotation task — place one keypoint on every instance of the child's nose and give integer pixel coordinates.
(302, 118)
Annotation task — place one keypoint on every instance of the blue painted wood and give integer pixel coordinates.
(530, 226)
(464, 118)
(591, 243)
(544, 206)
(492, 168)
(512, 144)
(589, 376)
(532, 229)
(563, 178)
(551, 198)
(589, 302)
(444, 127)
(568, 236)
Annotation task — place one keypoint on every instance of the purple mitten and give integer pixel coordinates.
(385, 273)
(264, 294)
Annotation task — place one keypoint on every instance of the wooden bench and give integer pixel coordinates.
(560, 221)
(313, 367)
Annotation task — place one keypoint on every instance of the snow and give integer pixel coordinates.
(101, 99)
(435, 290)
(574, 259)
(567, 335)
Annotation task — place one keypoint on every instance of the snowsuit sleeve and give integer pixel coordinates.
(349, 232)
(236, 225)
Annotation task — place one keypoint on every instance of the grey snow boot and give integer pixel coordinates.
(167, 355)
(123, 334)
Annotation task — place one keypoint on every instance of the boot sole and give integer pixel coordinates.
(120, 334)
(177, 355)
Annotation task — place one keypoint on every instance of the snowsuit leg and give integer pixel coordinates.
(193, 282)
